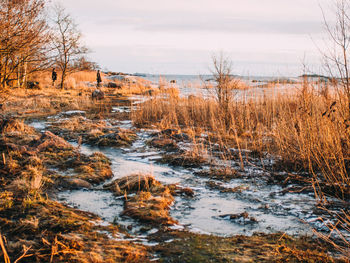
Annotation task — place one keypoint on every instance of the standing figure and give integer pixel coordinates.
(53, 76)
(99, 80)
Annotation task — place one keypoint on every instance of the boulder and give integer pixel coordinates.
(98, 95)
(75, 183)
(114, 85)
(33, 85)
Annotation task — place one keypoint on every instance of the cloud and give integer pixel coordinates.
(231, 25)
(228, 16)
(258, 33)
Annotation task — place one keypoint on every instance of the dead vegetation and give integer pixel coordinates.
(306, 131)
(151, 202)
(35, 228)
(93, 132)
(46, 99)
(147, 199)
(50, 232)
(29, 157)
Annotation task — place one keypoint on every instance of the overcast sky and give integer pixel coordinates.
(261, 37)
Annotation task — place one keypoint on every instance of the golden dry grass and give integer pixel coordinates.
(151, 202)
(38, 229)
(48, 99)
(307, 130)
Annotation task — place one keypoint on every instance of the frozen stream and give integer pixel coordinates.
(204, 213)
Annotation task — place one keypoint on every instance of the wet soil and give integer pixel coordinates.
(178, 246)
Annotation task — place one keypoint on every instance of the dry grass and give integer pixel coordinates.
(49, 100)
(94, 132)
(24, 102)
(79, 79)
(38, 229)
(308, 130)
(151, 202)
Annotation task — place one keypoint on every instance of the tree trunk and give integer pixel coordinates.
(63, 78)
(24, 77)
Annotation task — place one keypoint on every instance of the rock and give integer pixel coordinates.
(242, 218)
(75, 183)
(33, 85)
(111, 85)
(187, 191)
(178, 190)
(114, 85)
(98, 95)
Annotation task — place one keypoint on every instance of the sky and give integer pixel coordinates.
(261, 37)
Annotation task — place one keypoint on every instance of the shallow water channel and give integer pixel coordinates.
(205, 212)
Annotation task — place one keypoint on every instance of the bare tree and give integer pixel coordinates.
(336, 55)
(24, 40)
(66, 40)
(226, 85)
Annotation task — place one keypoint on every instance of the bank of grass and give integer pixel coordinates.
(46, 99)
(307, 130)
(34, 227)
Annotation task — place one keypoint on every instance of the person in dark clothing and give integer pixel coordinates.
(53, 76)
(99, 80)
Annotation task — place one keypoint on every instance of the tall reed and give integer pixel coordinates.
(306, 129)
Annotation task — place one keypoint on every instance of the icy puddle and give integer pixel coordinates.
(210, 211)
